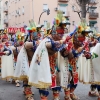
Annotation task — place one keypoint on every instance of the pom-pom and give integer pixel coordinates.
(29, 30)
(33, 29)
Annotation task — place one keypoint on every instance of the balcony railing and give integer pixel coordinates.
(93, 15)
(93, 2)
(63, 0)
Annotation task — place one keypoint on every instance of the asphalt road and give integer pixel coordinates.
(8, 91)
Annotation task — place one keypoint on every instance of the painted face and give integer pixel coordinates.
(86, 34)
(38, 29)
(78, 39)
(59, 33)
(64, 25)
(57, 37)
(81, 39)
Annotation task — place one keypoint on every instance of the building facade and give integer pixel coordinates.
(17, 13)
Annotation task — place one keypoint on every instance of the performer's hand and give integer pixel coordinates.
(6, 52)
(80, 49)
(85, 44)
(87, 55)
(2, 53)
(37, 43)
(67, 39)
(95, 42)
(69, 47)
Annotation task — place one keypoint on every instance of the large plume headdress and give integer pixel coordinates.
(59, 19)
(83, 27)
(47, 29)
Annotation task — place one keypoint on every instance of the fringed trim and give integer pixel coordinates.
(40, 85)
(22, 78)
(98, 83)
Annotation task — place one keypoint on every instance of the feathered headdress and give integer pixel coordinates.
(83, 28)
(59, 19)
(47, 29)
(32, 27)
(19, 38)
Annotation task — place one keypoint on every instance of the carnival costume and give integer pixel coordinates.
(88, 68)
(74, 49)
(7, 60)
(24, 59)
(43, 72)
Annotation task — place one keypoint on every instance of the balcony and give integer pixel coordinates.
(63, 1)
(93, 15)
(93, 2)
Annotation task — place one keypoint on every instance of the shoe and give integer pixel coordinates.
(74, 97)
(93, 94)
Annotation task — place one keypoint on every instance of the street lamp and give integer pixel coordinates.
(73, 8)
(48, 12)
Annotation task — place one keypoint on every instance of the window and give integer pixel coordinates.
(92, 9)
(45, 7)
(45, 23)
(16, 13)
(19, 13)
(63, 8)
(9, 3)
(6, 2)
(23, 10)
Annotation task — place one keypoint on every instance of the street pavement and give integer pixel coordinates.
(8, 91)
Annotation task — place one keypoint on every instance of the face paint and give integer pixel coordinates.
(81, 39)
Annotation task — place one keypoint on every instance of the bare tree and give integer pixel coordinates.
(84, 6)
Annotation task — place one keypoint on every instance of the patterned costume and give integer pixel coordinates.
(24, 59)
(7, 60)
(45, 58)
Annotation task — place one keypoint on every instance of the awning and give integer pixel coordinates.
(92, 22)
(63, 5)
(93, 7)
